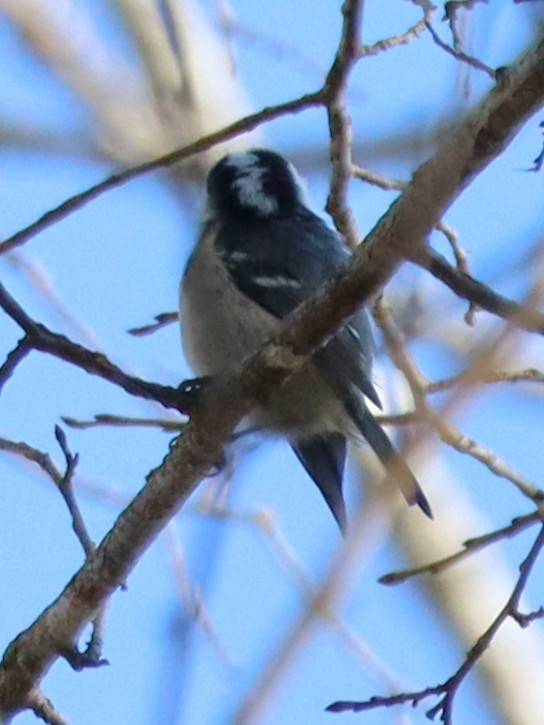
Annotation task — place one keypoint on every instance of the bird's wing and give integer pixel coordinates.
(278, 264)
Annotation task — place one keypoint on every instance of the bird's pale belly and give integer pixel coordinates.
(214, 342)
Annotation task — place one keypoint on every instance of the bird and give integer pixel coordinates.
(260, 253)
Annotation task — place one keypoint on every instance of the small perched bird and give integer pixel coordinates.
(261, 253)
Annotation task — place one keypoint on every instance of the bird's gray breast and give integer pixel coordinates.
(220, 326)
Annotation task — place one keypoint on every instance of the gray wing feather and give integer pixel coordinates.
(278, 264)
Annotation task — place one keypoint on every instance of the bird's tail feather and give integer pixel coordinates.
(323, 457)
(395, 465)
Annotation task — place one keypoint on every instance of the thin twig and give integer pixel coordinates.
(461, 55)
(539, 160)
(529, 375)
(67, 492)
(191, 599)
(161, 320)
(119, 421)
(461, 263)
(92, 656)
(448, 433)
(78, 201)
(33, 454)
(44, 709)
(372, 177)
(459, 254)
(450, 14)
(19, 352)
(388, 184)
(471, 289)
(41, 338)
(470, 546)
(454, 437)
(448, 690)
(41, 282)
(445, 706)
(394, 41)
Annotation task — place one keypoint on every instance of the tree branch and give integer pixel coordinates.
(122, 177)
(470, 289)
(449, 689)
(39, 337)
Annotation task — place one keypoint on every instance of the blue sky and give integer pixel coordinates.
(117, 263)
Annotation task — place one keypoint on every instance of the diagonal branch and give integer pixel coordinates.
(19, 352)
(469, 288)
(122, 177)
(470, 546)
(39, 337)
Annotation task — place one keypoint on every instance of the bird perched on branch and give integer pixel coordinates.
(261, 252)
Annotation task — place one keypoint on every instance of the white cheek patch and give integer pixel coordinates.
(250, 192)
(249, 184)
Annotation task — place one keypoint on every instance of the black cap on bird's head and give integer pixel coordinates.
(256, 184)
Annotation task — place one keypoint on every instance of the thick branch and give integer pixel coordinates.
(402, 231)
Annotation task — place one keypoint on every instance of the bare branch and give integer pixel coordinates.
(395, 40)
(161, 320)
(451, 9)
(13, 359)
(334, 92)
(494, 376)
(41, 338)
(43, 708)
(39, 278)
(454, 437)
(63, 481)
(448, 433)
(67, 491)
(539, 160)
(382, 182)
(191, 599)
(470, 546)
(460, 55)
(467, 287)
(449, 689)
(445, 706)
(33, 454)
(103, 419)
